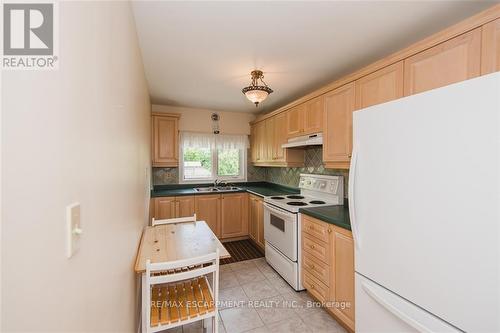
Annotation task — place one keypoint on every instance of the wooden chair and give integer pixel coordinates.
(180, 293)
(174, 220)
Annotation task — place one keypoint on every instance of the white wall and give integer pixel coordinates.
(77, 134)
(198, 120)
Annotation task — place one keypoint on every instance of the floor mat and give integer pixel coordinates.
(241, 250)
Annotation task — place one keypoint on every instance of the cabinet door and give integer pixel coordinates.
(207, 208)
(269, 139)
(337, 131)
(252, 217)
(279, 137)
(342, 279)
(234, 215)
(260, 223)
(381, 86)
(295, 121)
(164, 208)
(260, 130)
(455, 60)
(313, 115)
(254, 151)
(490, 53)
(165, 136)
(184, 206)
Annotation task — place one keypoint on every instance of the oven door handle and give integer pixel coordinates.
(277, 211)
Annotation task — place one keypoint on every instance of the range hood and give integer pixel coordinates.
(306, 140)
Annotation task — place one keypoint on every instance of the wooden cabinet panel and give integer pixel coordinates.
(280, 137)
(269, 139)
(295, 121)
(343, 279)
(337, 131)
(234, 215)
(260, 131)
(318, 230)
(381, 86)
(315, 287)
(313, 116)
(207, 208)
(254, 152)
(490, 47)
(165, 133)
(164, 208)
(256, 220)
(455, 60)
(184, 206)
(316, 268)
(318, 249)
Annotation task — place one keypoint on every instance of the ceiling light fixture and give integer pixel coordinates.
(254, 92)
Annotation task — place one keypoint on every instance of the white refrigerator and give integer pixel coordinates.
(424, 199)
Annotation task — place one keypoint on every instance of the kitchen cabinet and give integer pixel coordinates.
(295, 121)
(234, 209)
(172, 207)
(455, 60)
(268, 147)
(490, 47)
(165, 137)
(208, 209)
(280, 137)
(337, 130)
(381, 86)
(328, 267)
(313, 116)
(256, 220)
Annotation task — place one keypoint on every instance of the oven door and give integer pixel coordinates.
(280, 230)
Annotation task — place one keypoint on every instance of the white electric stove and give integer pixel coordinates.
(282, 227)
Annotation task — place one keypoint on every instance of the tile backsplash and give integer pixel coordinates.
(313, 164)
(283, 176)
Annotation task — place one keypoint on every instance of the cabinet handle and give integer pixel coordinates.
(329, 230)
(350, 155)
(311, 227)
(312, 247)
(312, 286)
(311, 266)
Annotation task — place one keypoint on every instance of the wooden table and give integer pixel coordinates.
(170, 242)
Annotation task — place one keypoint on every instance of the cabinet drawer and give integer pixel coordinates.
(319, 230)
(316, 248)
(316, 268)
(315, 287)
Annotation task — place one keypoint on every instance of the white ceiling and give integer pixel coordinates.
(200, 54)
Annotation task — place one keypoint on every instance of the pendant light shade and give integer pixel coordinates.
(254, 92)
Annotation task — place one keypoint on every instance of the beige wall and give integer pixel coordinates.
(198, 120)
(80, 133)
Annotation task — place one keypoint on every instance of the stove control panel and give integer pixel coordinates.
(322, 183)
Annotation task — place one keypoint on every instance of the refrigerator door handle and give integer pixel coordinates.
(352, 203)
(430, 325)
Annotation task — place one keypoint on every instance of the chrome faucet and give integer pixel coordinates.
(216, 182)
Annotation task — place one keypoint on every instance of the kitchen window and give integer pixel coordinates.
(206, 157)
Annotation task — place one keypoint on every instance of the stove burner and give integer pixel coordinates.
(277, 198)
(317, 202)
(296, 203)
(295, 197)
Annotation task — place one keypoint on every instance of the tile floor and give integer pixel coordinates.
(255, 299)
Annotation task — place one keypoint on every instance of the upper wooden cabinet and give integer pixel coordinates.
(234, 215)
(165, 136)
(295, 121)
(381, 86)
(455, 60)
(490, 53)
(280, 137)
(313, 116)
(337, 131)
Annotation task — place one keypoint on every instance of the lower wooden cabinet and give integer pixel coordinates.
(256, 220)
(234, 215)
(172, 207)
(208, 209)
(328, 267)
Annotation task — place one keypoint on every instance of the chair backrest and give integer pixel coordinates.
(174, 220)
(180, 270)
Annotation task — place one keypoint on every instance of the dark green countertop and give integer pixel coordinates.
(259, 188)
(338, 215)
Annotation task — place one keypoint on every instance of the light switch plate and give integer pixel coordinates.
(73, 229)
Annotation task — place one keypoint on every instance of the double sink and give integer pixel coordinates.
(217, 189)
